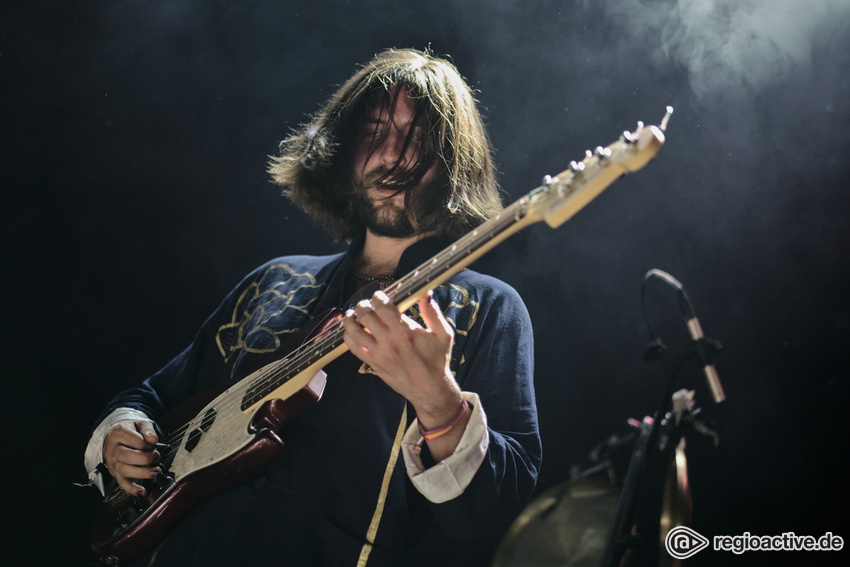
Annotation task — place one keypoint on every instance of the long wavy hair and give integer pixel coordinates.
(316, 162)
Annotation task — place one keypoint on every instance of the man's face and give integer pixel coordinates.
(381, 204)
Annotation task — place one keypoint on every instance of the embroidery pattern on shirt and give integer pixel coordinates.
(264, 313)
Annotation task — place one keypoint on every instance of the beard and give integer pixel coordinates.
(382, 216)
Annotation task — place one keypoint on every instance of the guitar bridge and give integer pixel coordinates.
(130, 507)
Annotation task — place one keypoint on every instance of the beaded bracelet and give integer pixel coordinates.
(432, 434)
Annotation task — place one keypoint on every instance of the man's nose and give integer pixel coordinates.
(390, 151)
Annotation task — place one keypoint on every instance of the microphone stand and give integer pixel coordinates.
(622, 539)
(637, 518)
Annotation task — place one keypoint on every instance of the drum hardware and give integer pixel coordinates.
(566, 524)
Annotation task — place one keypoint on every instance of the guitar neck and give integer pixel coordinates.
(554, 202)
(405, 292)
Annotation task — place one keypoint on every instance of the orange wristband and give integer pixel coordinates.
(432, 434)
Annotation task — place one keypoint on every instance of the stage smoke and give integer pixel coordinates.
(733, 48)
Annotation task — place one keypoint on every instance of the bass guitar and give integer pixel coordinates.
(222, 436)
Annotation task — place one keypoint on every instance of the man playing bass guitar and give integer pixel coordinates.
(424, 444)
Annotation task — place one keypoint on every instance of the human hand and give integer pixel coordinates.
(411, 359)
(129, 451)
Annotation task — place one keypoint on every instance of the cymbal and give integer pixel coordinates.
(567, 525)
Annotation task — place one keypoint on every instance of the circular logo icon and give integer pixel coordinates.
(683, 542)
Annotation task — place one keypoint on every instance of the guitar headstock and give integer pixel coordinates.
(560, 197)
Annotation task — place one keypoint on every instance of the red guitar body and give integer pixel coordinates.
(126, 526)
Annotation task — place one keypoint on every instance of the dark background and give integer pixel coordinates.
(135, 137)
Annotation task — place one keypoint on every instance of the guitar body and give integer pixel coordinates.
(162, 509)
(217, 445)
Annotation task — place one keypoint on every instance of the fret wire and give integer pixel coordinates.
(291, 365)
(407, 285)
(398, 290)
(319, 345)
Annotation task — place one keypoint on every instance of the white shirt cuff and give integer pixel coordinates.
(450, 477)
(94, 450)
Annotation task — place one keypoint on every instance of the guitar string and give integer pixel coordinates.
(240, 390)
(264, 384)
(270, 379)
(511, 214)
(268, 383)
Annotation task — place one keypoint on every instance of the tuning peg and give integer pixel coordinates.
(601, 152)
(666, 118)
(577, 166)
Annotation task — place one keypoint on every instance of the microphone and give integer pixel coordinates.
(705, 351)
(706, 348)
